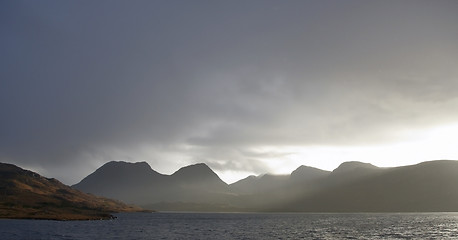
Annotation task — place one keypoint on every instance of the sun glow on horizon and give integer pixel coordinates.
(434, 143)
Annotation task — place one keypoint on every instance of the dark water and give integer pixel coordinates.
(241, 226)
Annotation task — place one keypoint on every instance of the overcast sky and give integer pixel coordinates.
(247, 87)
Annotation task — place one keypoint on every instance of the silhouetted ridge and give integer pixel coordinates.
(195, 170)
(198, 173)
(353, 186)
(258, 184)
(246, 185)
(424, 187)
(351, 171)
(352, 166)
(121, 172)
(121, 180)
(304, 173)
(138, 183)
(131, 169)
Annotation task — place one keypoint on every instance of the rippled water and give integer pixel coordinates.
(241, 226)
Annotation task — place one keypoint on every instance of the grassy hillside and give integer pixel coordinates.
(25, 194)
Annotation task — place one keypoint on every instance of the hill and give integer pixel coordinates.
(26, 194)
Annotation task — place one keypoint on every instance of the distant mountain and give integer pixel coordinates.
(353, 166)
(198, 176)
(259, 184)
(305, 173)
(137, 183)
(128, 182)
(428, 186)
(264, 192)
(268, 182)
(351, 171)
(26, 194)
(197, 184)
(353, 186)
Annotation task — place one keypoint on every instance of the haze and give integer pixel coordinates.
(247, 87)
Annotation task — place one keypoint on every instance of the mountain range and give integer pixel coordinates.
(352, 187)
(26, 194)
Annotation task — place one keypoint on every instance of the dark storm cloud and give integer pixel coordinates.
(99, 80)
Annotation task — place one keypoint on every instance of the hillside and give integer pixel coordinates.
(26, 194)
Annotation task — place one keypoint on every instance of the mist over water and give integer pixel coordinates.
(242, 226)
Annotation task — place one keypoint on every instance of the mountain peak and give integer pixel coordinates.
(198, 168)
(127, 168)
(127, 164)
(199, 172)
(306, 169)
(308, 173)
(353, 165)
(118, 171)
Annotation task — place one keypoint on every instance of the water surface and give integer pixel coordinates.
(241, 226)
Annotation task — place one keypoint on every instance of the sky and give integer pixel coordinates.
(247, 87)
